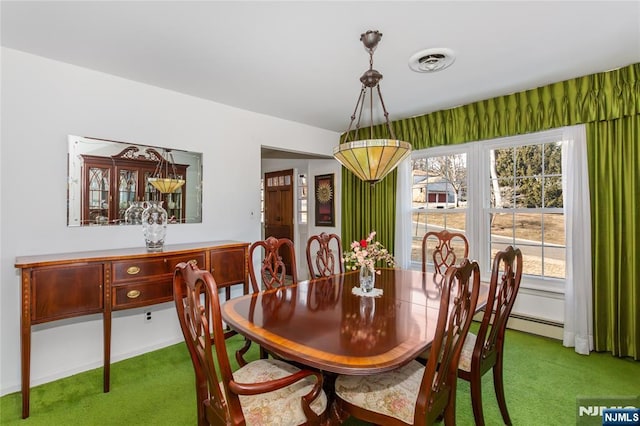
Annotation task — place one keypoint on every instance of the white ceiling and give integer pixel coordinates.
(301, 61)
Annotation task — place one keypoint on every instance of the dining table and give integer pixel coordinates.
(325, 323)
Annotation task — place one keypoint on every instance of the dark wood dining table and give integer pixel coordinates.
(322, 324)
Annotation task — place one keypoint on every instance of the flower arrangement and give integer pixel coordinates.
(366, 253)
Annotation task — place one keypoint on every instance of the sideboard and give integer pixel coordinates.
(66, 285)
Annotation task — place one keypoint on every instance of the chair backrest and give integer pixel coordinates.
(503, 289)
(199, 318)
(460, 290)
(327, 251)
(273, 272)
(444, 253)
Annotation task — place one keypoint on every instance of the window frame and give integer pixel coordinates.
(478, 209)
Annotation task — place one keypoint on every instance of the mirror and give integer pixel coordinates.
(105, 178)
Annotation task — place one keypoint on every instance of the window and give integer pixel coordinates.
(438, 196)
(500, 192)
(262, 200)
(302, 199)
(525, 205)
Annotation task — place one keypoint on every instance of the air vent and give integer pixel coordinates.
(431, 60)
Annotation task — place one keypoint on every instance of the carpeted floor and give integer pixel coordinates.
(543, 380)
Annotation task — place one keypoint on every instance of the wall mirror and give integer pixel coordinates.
(108, 179)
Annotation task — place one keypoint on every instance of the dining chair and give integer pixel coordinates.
(483, 351)
(326, 249)
(273, 271)
(418, 394)
(444, 253)
(265, 391)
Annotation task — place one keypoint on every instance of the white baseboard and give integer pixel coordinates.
(536, 326)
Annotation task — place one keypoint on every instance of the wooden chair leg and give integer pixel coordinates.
(240, 353)
(263, 353)
(450, 409)
(476, 398)
(498, 385)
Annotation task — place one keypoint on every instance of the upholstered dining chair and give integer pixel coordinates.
(483, 351)
(443, 252)
(417, 394)
(265, 391)
(273, 271)
(326, 250)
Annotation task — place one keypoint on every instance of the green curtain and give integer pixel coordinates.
(614, 175)
(602, 97)
(367, 208)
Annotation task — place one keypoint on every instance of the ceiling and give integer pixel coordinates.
(301, 60)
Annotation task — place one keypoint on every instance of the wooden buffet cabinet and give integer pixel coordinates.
(67, 285)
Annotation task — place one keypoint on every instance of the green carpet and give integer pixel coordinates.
(542, 381)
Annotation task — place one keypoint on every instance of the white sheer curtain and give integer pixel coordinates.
(578, 296)
(403, 216)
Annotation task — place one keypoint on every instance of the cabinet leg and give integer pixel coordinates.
(26, 358)
(25, 341)
(107, 351)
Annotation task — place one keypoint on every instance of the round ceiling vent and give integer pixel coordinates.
(431, 60)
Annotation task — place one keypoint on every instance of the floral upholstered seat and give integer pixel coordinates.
(467, 352)
(279, 407)
(392, 394)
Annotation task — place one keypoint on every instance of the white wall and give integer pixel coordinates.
(43, 101)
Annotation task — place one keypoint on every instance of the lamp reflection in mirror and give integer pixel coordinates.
(370, 159)
(165, 182)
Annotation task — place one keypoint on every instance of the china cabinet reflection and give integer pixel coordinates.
(111, 184)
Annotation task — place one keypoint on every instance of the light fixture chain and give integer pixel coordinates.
(371, 113)
(361, 106)
(353, 116)
(386, 114)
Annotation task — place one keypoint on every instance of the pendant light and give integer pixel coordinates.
(370, 159)
(164, 178)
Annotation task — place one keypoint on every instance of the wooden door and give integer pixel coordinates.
(278, 208)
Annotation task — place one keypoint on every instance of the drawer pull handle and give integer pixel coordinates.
(132, 270)
(193, 262)
(132, 294)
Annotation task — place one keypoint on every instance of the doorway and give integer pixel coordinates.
(278, 208)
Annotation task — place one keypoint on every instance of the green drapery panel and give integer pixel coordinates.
(598, 97)
(367, 208)
(613, 153)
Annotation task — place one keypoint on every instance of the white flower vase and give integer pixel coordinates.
(154, 225)
(367, 279)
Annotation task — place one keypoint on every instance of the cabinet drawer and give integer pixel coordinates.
(136, 269)
(64, 292)
(228, 266)
(142, 294)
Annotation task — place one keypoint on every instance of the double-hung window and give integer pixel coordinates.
(498, 193)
